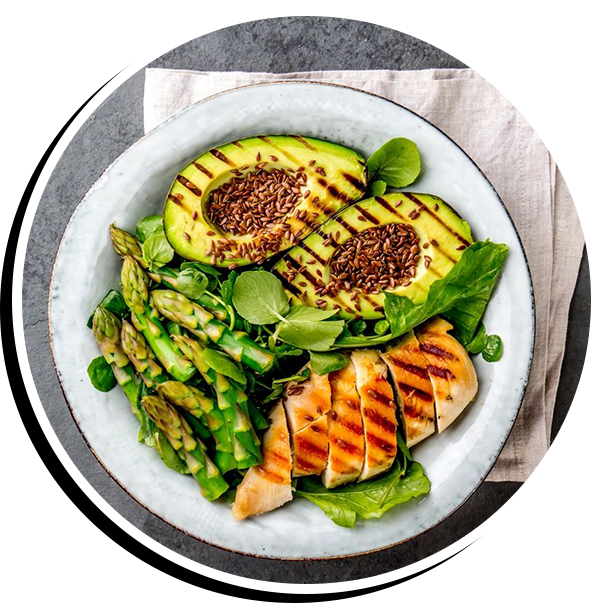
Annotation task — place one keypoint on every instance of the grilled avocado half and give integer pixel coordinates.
(335, 176)
(443, 236)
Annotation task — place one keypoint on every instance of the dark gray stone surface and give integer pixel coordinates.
(278, 45)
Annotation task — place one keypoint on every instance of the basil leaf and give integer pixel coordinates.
(192, 283)
(493, 349)
(157, 251)
(148, 227)
(114, 303)
(378, 187)
(307, 328)
(397, 163)
(371, 499)
(223, 365)
(101, 374)
(259, 297)
(327, 362)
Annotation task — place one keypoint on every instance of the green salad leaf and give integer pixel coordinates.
(309, 329)
(101, 374)
(367, 500)
(378, 187)
(260, 298)
(157, 251)
(114, 303)
(148, 227)
(461, 296)
(224, 365)
(192, 282)
(327, 362)
(396, 163)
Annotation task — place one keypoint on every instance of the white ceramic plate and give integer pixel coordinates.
(456, 461)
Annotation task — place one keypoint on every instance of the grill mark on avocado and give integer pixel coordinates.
(221, 157)
(237, 144)
(326, 237)
(418, 393)
(334, 191)
(189, 185)
(204, 170)
(355, 182)
(351, 229)
(312, 253)
(367, 215)
(383, 203)
(375, 306)
(292, 288)
(286, 154)
(175, 199)
(424, 207)
(315, 202)
(304, 272)
(302, 141)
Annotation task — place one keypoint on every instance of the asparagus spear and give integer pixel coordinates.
(140, 354)
(232, 401)
(106, 328)
(179, 434)
(238, 345)
(125, 244)
(145, 319)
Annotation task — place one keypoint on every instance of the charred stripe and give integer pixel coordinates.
(355, 182)
(385, 204)
(221, 157)
(410, 368)
(435, 350)
(438, 371)
(350, 229)
(367, 215)
(189, 185)
(418, 393)
(378, 419)
(204, 170)
(302, 140)
(313, 254)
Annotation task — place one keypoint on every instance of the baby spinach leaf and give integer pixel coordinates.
(378, 187)
(397, 163)
(148, 227)
(224, 365)
(157, 251)
(309, 329)
(101, 375)
(192, 283)
(259, 298)
(327, 362)
(493, 349)
(371, 499)
(282, 351)
(114, 303)
(356, 327)
(381, 327)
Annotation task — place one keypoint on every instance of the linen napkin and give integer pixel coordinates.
(484, 123)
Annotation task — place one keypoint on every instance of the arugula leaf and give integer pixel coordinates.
(378, 187)
(148, 227)
(260, 298)
(101, 375)
(344, 505)
(461, 296)
(327, 362)
(192, 283)
(397, 163)
(309, 329)
(157, 251)
(224, 365)
(298, 378)
(114, 303)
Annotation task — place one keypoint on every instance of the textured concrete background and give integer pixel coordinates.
(278, 45)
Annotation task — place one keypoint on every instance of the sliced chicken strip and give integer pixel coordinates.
(450, 369)
(414, 389)
(306, 405)
(345, 430)
(267, 486)
(378, 412)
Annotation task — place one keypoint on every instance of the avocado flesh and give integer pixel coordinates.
(187, 226)
(313, 255)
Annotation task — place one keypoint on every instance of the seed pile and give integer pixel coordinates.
(382, 257)
(257, 202)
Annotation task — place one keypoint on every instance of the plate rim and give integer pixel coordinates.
(163, 124)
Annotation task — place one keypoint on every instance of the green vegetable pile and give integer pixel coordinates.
(202, 353)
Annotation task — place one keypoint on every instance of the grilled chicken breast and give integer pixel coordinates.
(345, 430)
(450, 370)
(267, 486)
(414, 389)
(378, 412)
(306, 405)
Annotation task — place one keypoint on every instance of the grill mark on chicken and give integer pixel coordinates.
(411, 368)
(378, 442)
(416, 392)
(438, 371)
(377, 419)
(435, 350)
(310, 448)
(379, 397)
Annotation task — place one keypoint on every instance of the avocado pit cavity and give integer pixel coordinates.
(257, 201)
(381, 257)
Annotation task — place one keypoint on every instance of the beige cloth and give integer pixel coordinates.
(509, 152)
